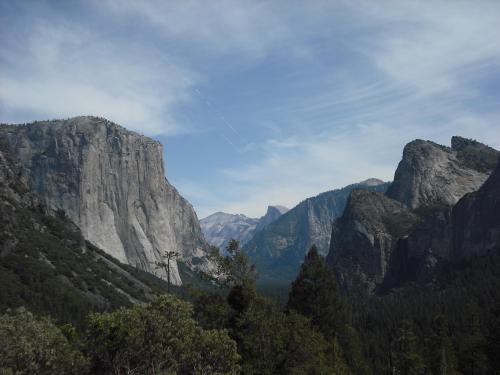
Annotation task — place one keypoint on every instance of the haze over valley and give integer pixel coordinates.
(249, 187)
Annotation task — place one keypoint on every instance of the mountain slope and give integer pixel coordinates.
(416, 243)
(476, 220)
(279, 249)
(364, 236)
(111, 183)
(46, 264)
(221, 227)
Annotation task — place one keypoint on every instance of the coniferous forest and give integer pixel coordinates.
(249, 187)
(450, 328)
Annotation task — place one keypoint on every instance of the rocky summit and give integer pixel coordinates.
(220, 227)
(111, 183)
(430, 173)
(438, 210)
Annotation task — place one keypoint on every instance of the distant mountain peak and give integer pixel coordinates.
(220, 227)
(372, 182)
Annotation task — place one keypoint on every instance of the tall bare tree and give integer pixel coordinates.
(164, 264)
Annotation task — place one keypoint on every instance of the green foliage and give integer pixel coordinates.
(441, 353)
(233, 269)
(467, 295)
(159, 337)
(476, 155)
(400, 224)
(315, 294)
(273, 342)
(32, 345)
(406, 360)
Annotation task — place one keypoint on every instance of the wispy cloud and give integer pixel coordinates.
(288, 99)
(62, 70)
(214, 27)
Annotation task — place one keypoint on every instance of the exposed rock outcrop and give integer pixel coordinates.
(279, 249)
(220, 227)
(373, 249)
(433, 174)
(111, 183)
(273, 213)
(476, 220)
(364, 237)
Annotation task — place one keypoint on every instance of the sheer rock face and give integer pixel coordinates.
(476, 220)
(418, 227)
(433, 174)
(280, 247)
(111, 183)
(273, 213)
(364, 237)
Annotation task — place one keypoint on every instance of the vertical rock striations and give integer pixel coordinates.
(280, 247)
(364, 237)
(433, 174)
(381, 242)
(111, 183)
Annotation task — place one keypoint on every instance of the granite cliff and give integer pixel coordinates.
(111, 183)
(279, 249)
(363, 239)
(381, 242)
(434, 174)
(47, 266)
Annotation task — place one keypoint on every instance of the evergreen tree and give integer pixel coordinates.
(493, 342)
(442, 358)
(406, 359)
(315, 294)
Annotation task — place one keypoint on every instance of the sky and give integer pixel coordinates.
(260, 102)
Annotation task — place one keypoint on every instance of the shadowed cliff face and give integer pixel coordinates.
(111, 183)
(476, 219)
(364, 238)
(381, 242)
(279, 248)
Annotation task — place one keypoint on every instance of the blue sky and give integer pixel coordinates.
(260, 102)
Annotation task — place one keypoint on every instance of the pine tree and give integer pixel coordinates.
(406, 359)
(442, 359)
(315, 294)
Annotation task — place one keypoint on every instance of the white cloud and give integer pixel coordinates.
(220, 27)
(299, 167)
(63, 71)
(432, 46)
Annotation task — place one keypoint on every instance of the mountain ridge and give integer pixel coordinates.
(431, 182)
(220, 227)
(111, 182)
